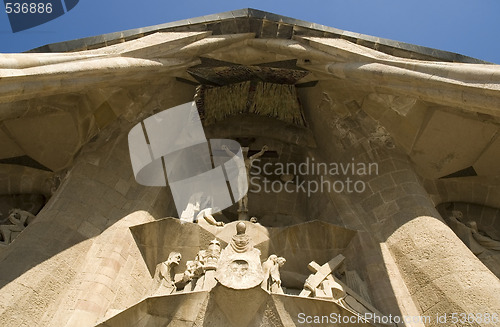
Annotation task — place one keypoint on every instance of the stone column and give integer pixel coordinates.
(439, 271)
(442, 275)
(78, 261)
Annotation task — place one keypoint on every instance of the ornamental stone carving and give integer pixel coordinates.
(239, 266)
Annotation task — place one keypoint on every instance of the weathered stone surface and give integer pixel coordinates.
(239, 266)
(438, 159)
(90, 255)
(226, 307)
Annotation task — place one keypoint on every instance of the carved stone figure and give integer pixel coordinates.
(207, 215)
(464, 232)
(18, 219)
(266, 268)
(208, 260)
(192, 208)
(239, 266)
(484, 247)
(197, 209)
(213, 255)
(194, 270)
(272, 279)
(275, 276)
(240, 243)
(244, 176)
(484, 240)
(166, 273)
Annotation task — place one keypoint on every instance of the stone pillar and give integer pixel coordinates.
(442, 275)
(439, 271)
(78, 261)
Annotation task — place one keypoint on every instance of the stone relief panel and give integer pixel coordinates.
(245, 256)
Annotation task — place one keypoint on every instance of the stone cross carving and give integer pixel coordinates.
(329, 288)
(323, 273)
(324, 284)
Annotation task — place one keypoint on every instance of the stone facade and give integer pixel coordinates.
(402, 139)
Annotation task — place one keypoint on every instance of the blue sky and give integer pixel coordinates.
(470, 28)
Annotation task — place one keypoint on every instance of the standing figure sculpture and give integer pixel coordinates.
(208, 259)
(194, 270)
(165, 273)
(244, 177)
(275, 284)
(266, 268)
(272, 278)
(19, 220)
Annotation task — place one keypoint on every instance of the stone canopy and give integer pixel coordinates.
(428, 119)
